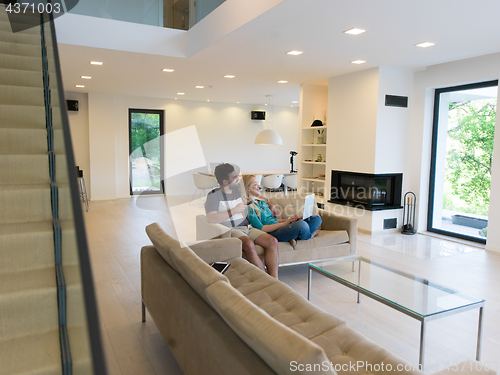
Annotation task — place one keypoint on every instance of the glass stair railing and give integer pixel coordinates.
(48, 314)
(174, 14)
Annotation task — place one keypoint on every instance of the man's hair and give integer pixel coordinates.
(222, 172)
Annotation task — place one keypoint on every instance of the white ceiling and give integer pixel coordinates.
(256, 52)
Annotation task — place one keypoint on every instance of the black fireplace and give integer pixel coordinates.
(373, 192)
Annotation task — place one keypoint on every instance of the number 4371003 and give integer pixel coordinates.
(32, 8)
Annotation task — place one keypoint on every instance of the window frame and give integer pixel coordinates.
(161, 114)
(434, 145)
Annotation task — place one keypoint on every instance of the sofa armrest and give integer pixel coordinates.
(333, 221)
(467, 367)
(209, 231)
(217, 250)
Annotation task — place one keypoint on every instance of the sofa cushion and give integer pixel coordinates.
(277, 344)
(341, 344)
(290, 204)
(324, 238)
(280, 301)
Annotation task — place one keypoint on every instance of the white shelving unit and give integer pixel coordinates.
(313, 106)
(313, 145)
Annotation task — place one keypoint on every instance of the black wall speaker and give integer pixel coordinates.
(396, 101)
(258, 115)
(72, 105)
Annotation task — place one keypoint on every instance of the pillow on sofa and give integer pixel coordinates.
(283, 349)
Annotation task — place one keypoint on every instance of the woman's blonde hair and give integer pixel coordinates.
(247, 180)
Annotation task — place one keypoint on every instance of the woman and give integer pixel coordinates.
(261, 217)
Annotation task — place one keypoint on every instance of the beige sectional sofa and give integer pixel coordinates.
(337, 237)
(245, 322)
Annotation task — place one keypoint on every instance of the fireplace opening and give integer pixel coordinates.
(373, 192)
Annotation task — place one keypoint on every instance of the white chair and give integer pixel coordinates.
(290, 182)
(211, 167)
(272, 181)
(203, 183)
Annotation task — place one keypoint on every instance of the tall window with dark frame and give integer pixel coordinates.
(146, 151)
(461, 160)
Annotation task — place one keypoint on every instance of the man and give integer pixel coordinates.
(225, 206)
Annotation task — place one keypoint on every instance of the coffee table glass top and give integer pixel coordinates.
(413, 293)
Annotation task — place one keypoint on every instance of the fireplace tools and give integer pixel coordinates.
(410, 200)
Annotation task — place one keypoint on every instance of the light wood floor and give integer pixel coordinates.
(115, 231)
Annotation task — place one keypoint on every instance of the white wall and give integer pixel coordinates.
(393, 123)
(313, 104)
(225, 131)
(79, 127)
(472, 70)
(102, 146)
(352, 121)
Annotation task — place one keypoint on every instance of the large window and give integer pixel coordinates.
(146, 151)
(462, 153)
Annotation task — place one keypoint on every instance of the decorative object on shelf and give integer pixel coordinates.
(321, 138)
(319, 159)
(292, 154)
(321, 176)
(317, 123)
(410, 200)
(268, 136)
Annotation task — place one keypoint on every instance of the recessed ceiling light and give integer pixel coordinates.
(425, 44)
(237, 102)
(180, 93)
(354, 31)
(86, 77)
(199, 87)
(167, 70)
(282, 81)
(79, 86)
(228, 76)
(175, 98)
(208, 100)
(96, 62)
(294, 53)
(358, 62)
(295, 101)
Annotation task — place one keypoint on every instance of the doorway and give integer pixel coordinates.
(146, 151)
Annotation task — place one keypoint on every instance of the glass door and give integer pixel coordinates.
(146, 151)
(462, 154)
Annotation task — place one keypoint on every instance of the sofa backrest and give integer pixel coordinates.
(290, 204)
(198, 274)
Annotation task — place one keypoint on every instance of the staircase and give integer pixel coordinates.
(43, 318)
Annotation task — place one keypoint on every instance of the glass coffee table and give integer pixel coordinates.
(412, 295)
